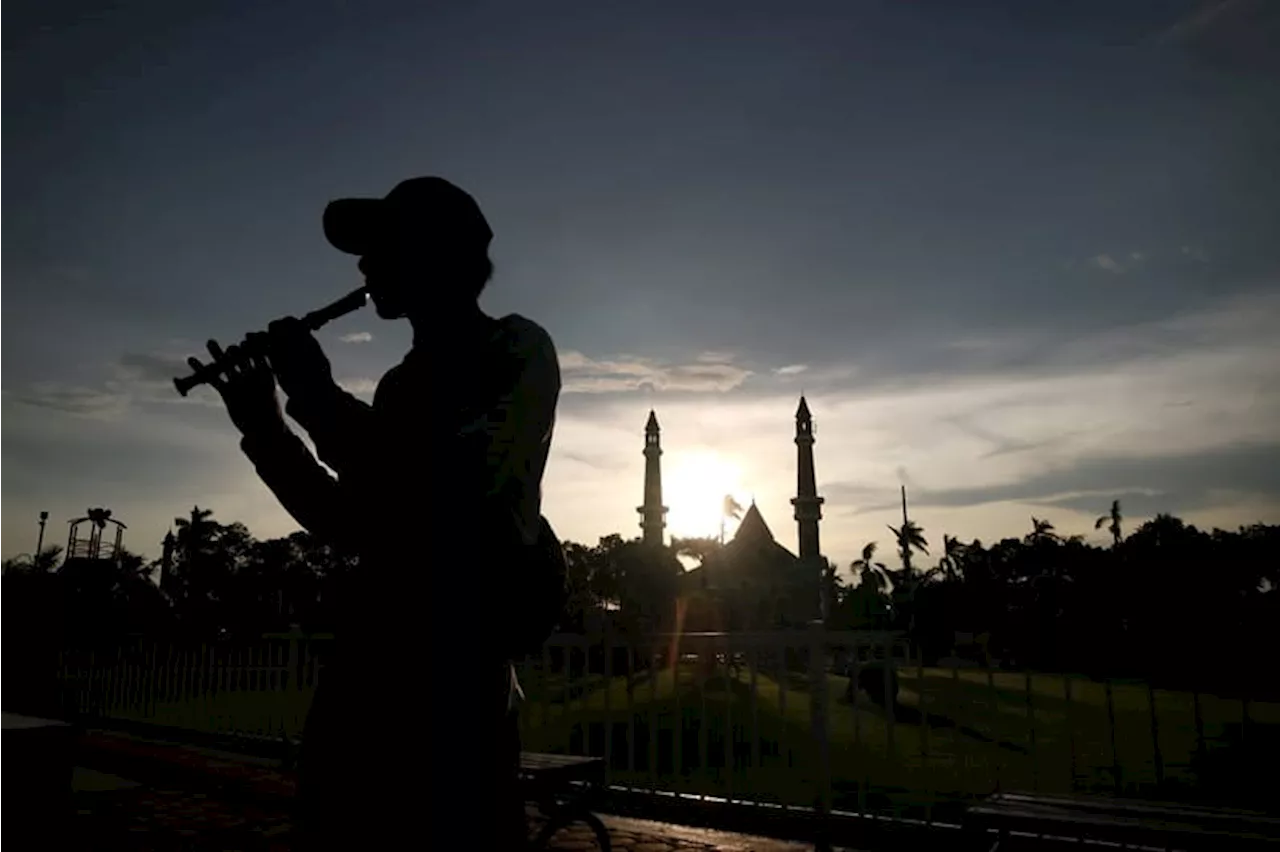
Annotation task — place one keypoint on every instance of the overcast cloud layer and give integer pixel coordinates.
(1024, 262)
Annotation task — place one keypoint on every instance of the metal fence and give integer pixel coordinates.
(263, 689)
(807, 719)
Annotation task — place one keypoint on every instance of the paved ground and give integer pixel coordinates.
(137, 817)
(117, 814)
(245, 805)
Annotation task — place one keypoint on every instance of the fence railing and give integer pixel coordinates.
(263, 689)
(808, 719)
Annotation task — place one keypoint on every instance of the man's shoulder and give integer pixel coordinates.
(525, 336)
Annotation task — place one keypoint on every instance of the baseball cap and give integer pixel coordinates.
(422, 210)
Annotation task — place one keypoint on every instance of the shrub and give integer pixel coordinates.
(870, 679)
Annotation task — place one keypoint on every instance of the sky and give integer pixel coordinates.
(1021, 258)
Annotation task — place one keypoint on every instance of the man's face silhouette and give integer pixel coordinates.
(395, 280)
(409, 281)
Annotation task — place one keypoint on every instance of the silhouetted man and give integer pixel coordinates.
(438, 490)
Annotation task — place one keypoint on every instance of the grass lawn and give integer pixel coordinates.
(956, 734)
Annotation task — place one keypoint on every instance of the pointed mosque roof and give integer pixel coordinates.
(753, 536)
(652, 424)
(752, 529)
(802, 413)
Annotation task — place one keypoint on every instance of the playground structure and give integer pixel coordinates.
(92, 547)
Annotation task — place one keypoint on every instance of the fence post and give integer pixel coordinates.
(608, 704)
(890, 674)
(293, 672)
(818, 714)
(1111, 729)
(1155, 737)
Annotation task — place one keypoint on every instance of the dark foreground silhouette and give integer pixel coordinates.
(458, 435)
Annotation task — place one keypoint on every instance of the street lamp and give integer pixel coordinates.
(44, 517)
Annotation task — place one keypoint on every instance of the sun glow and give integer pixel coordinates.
(694, 487)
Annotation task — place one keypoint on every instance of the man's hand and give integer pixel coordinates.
(247, 386)
(299, 363)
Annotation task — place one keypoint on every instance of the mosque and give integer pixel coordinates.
(753, 582)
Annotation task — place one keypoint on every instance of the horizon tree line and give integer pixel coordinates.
(1166, 601)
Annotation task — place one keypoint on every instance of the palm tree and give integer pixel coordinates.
(1114, 517)
(1041, 531)
(953, 551)
(44, 562)
(910, 537)
(196, 531)
(865, 603)
(47, 559)
(870, 571)
(699, 548)
(207, 559)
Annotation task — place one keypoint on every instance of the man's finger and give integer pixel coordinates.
(287, 333)
(215, 380)
(257, 341)
(234, 361)
(258, 361)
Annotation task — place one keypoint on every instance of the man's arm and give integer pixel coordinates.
(339, 424)
(510, 438)
(302, 486)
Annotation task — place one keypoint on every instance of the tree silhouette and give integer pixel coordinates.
(866, 569)
(43, 562)
(106, 598)
(910, 537)
(831, 590)
(207, 559)
(864, 604)
(952, 555)
(1114, 527)
(646, 581)
(1143, 606)
(696, 548)
(196, 530)
(1041, 532)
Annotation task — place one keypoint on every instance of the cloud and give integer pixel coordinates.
(1169, 482)
(1111, 263)
(154, 368)
(147, 378)
(133, 379)
(93, 403)
(985, 428)
(597, 460)
(356, 337)
(1003, 444)
(359, 387)
(1107, 262)
(1178, 414)
(1120, 263)
(1195, 253)
(583, 375)
(791, 369)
